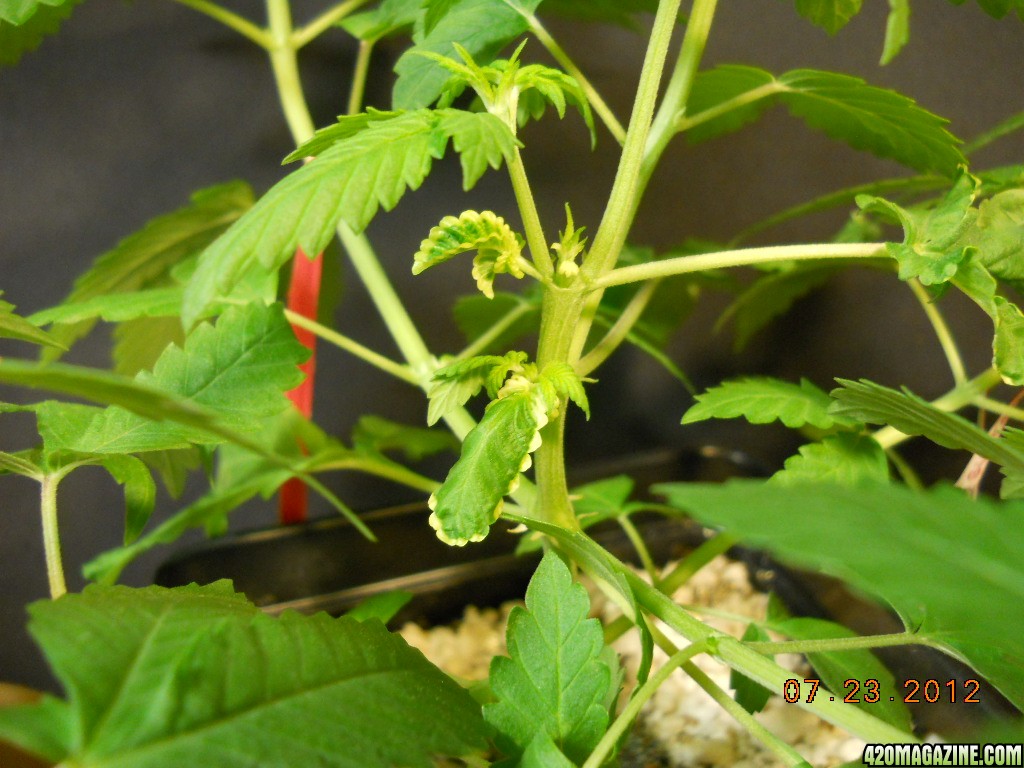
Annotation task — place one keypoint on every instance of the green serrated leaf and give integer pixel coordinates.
(998, 234)
(482, 140)
(948, 564)
(877, 120)
(390, 17)
(25, 23)
(46, 728)
(346, 127)
(746, 89)
(115, 307)
(835, 668)
(750, 695)
(481, 27)
(139, 343)
(556, 681)
(145, 259)
(493, 454)
(239, 369)
(998, 8)
(304, 208)
(139, 492)
(830, 15)
(761, 400)
(872, 403)
(13, 326)
(602, 498)
(198, 675)
(1008, 345)
(844, 459)
(932, 249)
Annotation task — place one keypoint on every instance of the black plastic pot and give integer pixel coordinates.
(328, 566)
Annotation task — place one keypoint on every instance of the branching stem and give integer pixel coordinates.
(839, 643)
(619, 331)
(231, 20)
(323, 22)
(742, 257)
(359, 75)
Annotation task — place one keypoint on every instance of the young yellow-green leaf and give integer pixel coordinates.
(145, 258)
(383, 606)
(843, 459)
(998, 234)
(14, 326)
(481, 27)
(949, 565)
(493, 454)
(761, 400)
(238, 369)
(499, 249)
(874, 404)
(830, 15)
(565, 382)
(836, 667)
(304, 208)
(24, 24)
(556, 680)
(200, 676)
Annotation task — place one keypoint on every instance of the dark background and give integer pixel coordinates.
(132, 107)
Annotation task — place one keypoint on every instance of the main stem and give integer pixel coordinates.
(51, 534)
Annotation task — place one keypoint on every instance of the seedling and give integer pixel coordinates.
(198, 676)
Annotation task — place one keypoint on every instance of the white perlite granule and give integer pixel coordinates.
(691, 730)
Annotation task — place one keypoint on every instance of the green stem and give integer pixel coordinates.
(635, 704)
(359, 75)
(698, 29)
(685, 123)
(494, 332)
(838, 643)
(621, 207)
(619, 331)
(942, 332)
(995, 406)
(231, 20)
(535, 238)
(51, 533)
(323, 22)
(969, 393)
(353, 347)
(1004, 128)
(598, 104)
(742, 257)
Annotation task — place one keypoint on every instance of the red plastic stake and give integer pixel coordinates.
(303, 299)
